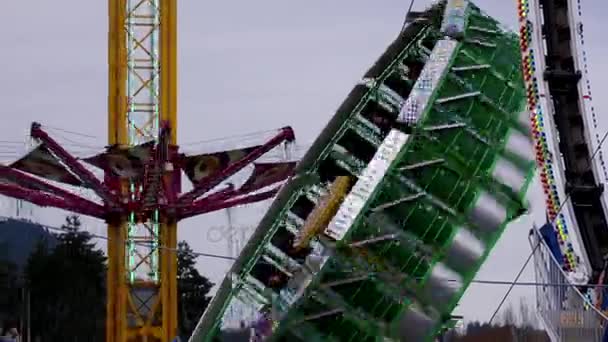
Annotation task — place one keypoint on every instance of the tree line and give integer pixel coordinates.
(62, 289)
(517, 322)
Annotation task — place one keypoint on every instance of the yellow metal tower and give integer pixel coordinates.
(141, 194)
(142, 280)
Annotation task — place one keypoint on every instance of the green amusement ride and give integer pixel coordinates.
(400, 199)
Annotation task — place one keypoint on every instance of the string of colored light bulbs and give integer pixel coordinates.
(543, 154)
(588, 98)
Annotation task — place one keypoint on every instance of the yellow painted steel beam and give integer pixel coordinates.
(168, 113)
(117, 73)
(168, 282)
(168, 72)
(161, 323)
(117, 134)
(117, 287)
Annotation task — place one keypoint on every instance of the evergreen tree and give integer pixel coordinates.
(35, 271)
(193, 290)
(68, 293)
(67, 287)
(9, 290)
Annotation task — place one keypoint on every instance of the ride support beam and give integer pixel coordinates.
(142, 107)
(116, 287)
(153, 189)
(563, 79)
(73, 165)
(221, 195)
(168, 118)
(34, 184)
(286, 134)
(202, 206)
(47, 200)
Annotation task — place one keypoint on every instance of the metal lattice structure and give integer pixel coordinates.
(142, 55)
(140, 195)
(143, 123)
(571, 247)
(564, 124)
(564, 311)
(435, 143)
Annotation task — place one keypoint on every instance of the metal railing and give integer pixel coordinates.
(563, 309)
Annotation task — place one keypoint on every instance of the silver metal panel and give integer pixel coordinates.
(510, 175)
(366, 184)
(520, 145)
(442, 286)
(415, 325)
(433, 71)
(465, 251)
(488, 214)
(524, 119)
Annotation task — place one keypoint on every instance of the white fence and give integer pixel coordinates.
(564, 311)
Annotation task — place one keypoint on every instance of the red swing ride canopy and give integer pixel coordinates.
(146, 164)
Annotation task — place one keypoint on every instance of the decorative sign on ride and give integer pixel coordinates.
(432, 73)
(454, 21)
(367, 183)
(42, 163)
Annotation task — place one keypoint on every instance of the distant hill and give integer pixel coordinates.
(18, 239)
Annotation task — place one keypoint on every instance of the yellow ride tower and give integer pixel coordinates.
(142, 97)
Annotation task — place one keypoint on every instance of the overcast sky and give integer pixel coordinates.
(243, 66)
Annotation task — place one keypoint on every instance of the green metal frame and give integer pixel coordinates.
(461, 171)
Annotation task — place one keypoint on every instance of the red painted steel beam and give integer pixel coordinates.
(72, 163)
(154, 187)
(47, 200)
(171, 182)
(227, 194)
(219, 196)
(34, 184)
(200, 207)
(286, 134)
